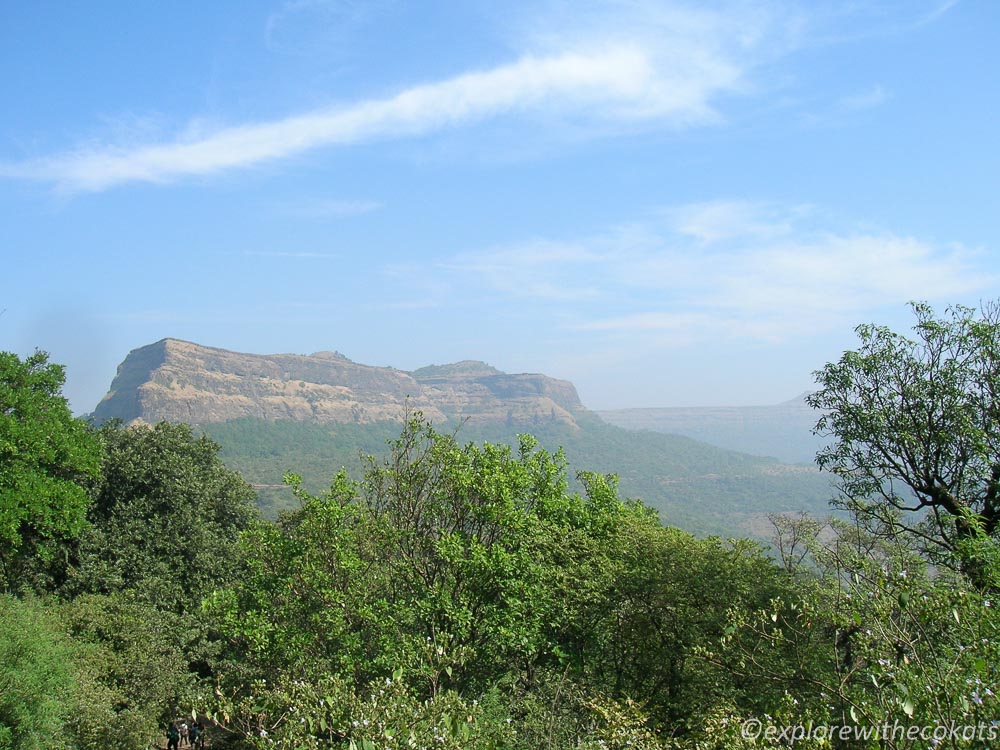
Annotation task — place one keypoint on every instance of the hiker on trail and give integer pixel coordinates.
(185, 742)
(173, 736)
(197, 740)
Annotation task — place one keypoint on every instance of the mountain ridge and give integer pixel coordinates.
(181, 381)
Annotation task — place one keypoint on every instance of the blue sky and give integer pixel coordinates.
(667, 203)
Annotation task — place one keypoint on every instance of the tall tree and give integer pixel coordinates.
(915, 423)
(46, 458)
(165, 517)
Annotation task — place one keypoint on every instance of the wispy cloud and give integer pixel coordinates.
(667, 67)
(620, 82)
(607, 65)
(530, 270)
(714, 221)
(731, 269)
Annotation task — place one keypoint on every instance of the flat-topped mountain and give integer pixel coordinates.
(179, 381)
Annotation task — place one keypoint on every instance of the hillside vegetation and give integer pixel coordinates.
(695, 486)
(464, 595)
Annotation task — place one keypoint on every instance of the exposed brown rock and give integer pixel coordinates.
(178, 381)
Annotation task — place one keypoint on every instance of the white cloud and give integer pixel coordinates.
(606, 64)
(534, 269)
(763, 273)
(668, 67)
(724, 220)
(838, 275)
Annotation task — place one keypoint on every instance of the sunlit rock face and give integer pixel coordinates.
(179, 381)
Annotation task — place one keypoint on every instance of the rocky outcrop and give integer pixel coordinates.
(179, 381)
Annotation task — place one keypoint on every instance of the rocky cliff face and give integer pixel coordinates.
(179, 381)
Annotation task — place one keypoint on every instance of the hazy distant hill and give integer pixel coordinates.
(783, 431)
(314, 414)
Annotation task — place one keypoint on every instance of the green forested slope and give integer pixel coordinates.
(693, 485)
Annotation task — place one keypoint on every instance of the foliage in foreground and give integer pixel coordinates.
(464, 596)
(46, 457)
(875, 641)
(466, 581)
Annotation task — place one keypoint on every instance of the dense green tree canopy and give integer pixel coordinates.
(46, 456)
(467, 578)
(52, 695)
(165, 517)
(37, 684)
